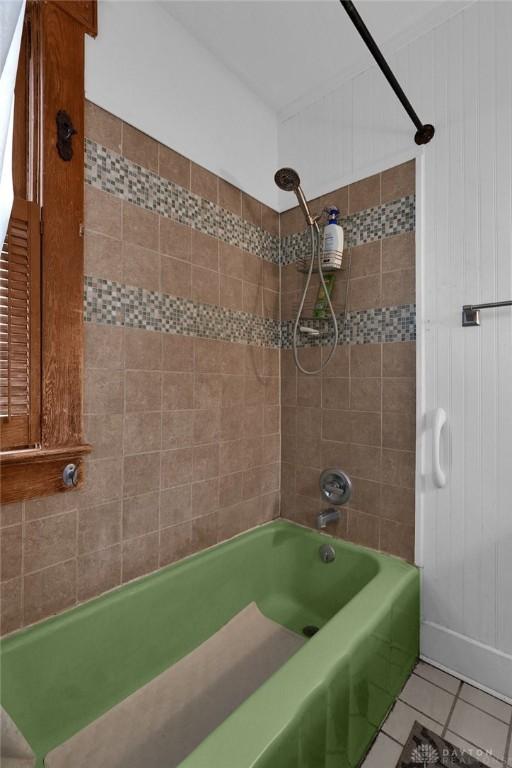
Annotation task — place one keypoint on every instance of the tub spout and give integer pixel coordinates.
(330, 515)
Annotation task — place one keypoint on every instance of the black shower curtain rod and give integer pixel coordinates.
(425, 131)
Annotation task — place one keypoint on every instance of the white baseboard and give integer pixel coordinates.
(480, 665)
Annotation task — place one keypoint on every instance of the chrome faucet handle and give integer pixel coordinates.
(336, 486)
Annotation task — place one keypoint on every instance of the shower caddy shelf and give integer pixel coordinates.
(302, 267)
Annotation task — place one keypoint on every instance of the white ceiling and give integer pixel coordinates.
(284, 50)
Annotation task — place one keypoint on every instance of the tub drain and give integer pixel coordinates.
(310, 630)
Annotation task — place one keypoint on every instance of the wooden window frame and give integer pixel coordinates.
(51, 78)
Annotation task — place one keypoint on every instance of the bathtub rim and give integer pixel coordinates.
(390, 574)
(146, 579)
(397, 575)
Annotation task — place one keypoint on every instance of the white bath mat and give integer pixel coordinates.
(161, 723)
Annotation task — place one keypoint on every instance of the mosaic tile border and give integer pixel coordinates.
(113, 173)
(363, 227)
(368, 326)
(111, 303)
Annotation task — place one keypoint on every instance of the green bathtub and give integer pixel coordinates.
(321, 709)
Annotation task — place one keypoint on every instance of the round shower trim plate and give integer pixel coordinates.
(335, 486)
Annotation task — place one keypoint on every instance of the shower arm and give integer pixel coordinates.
(424, 132)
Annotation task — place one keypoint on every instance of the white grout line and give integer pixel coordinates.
(419, 711)
(392, 738)
(485, 711)
(428, 680)
(454, 703)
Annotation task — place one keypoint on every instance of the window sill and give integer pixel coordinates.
(38, 472)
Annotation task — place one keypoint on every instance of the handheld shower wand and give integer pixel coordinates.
(288, 180)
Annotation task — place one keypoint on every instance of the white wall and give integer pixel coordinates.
(357, 129)
(458, 76)
(147, 69)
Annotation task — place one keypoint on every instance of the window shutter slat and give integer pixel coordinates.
(20, 328)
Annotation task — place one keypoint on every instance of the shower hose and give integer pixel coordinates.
(316, 250)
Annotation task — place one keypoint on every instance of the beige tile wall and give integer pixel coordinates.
(137, 247)
(360, 413)
(185, 432)
(381, 272)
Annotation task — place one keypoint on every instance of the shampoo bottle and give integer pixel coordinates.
(333, 241)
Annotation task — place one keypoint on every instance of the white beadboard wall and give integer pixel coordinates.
(458, 76)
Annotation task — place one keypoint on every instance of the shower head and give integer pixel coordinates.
(288, 180)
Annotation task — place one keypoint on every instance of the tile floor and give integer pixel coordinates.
(468, 718)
